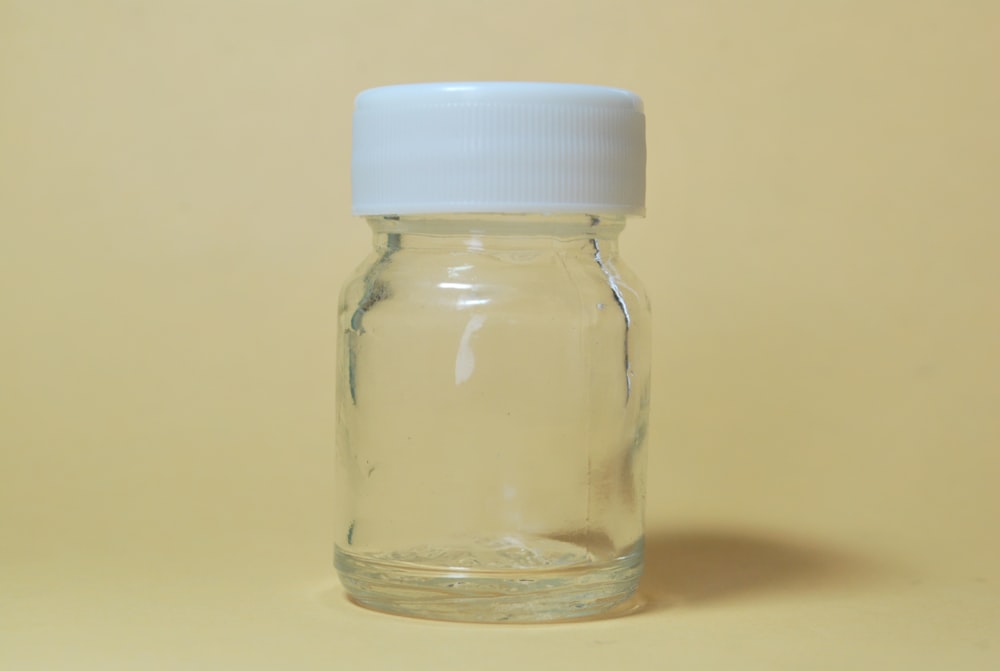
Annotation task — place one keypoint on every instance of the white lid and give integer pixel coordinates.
(498, 147)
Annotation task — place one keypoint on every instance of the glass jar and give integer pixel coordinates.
(493, 391)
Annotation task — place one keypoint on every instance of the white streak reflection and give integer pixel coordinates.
(465, 360)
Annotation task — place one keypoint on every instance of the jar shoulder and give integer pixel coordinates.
(482, 279)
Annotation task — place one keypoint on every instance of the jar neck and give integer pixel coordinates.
(495, 231)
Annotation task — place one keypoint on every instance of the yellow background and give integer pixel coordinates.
(821, 249)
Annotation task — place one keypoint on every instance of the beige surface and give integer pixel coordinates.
(821, 250)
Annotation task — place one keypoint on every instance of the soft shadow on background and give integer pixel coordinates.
(697, 567)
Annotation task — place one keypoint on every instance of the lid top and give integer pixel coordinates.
(538, 93)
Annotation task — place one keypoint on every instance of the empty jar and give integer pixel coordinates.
(494, 354)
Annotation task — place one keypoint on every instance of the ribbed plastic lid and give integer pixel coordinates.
(498, 147)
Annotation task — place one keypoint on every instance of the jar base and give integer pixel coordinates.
(547, 584)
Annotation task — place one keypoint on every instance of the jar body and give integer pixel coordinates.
(493, 388)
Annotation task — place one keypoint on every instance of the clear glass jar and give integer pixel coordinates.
(492, 412)
(493, 369)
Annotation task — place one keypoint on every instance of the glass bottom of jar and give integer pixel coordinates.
(501, 580)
